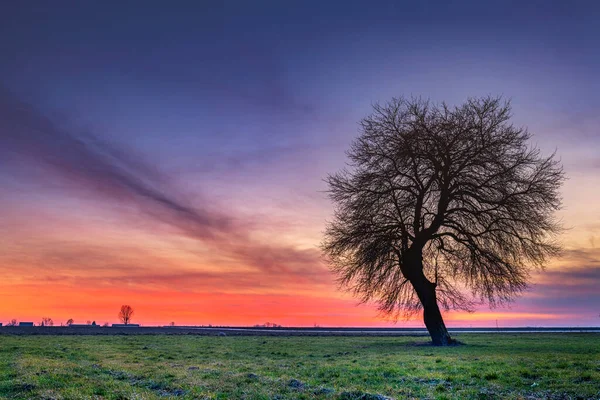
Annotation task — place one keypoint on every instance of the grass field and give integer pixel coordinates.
(502, 366)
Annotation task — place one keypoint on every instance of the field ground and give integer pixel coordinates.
(489, 366)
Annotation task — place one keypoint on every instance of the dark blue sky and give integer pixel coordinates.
(218, 83)
(242, 107)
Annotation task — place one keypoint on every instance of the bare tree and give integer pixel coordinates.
(70, 322)
(441, 206)
(47, 321)
(126, 314)
(13, 322)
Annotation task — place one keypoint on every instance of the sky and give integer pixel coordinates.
(171, 156)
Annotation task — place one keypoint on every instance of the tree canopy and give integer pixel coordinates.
(456, 194)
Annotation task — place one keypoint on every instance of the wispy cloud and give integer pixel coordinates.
(571, 286)
(86, 265)
(85, 162)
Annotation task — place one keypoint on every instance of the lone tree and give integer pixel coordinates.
(126, 314)
(439, 202)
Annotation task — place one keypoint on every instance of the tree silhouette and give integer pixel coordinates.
(70, 322)
(437, 202)
(126, 314)
(47, 321)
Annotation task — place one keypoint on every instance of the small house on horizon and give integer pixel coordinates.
(25, 323)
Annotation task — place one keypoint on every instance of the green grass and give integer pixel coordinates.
(501, 366)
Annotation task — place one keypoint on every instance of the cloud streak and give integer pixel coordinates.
(87, 162)
(83, 161)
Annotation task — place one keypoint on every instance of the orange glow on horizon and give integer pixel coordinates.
(62, 271)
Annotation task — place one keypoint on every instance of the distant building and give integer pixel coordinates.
(25, 323)
(0, 323)
(125, 326)
(81, 326)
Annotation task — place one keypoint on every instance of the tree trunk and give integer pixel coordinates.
(431, 312)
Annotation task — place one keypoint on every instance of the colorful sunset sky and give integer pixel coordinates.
(171, 155)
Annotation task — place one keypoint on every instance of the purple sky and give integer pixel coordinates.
(199, 134)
